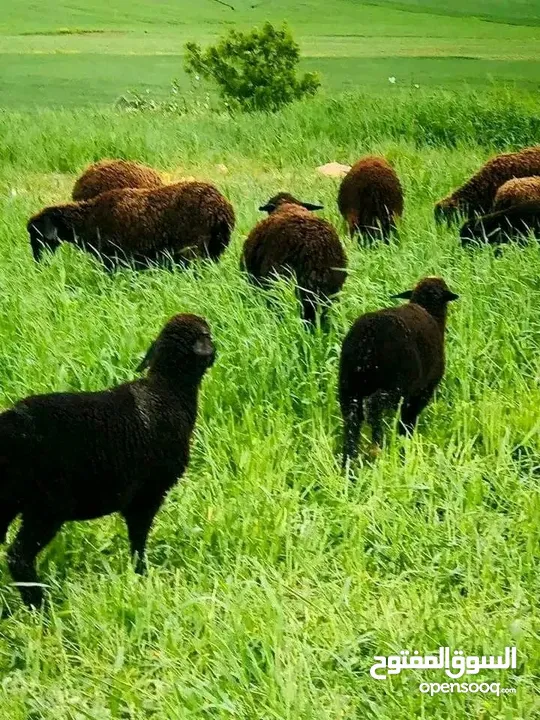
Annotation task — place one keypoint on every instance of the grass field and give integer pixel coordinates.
(274, 579)
(55, 53)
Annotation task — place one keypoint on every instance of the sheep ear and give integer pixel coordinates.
(405, 295)
(311, 206)
(147, 359)
(449, 296)
(269, 207)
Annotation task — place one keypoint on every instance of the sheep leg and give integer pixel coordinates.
(35, 533)
(411, 409)
(139, 515)
(375, 407)
(353, 417)
(309, 306)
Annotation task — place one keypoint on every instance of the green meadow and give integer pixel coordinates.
(274, 578)
(55, 54)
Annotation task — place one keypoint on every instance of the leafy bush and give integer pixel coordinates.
(254, 70)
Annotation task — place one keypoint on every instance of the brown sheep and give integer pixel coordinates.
(292, 240)
(140, 226)
(518, 191)
(370, 198)
(476, 196)
(113, 175)
(393, 355)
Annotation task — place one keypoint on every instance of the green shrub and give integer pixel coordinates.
(254, 70)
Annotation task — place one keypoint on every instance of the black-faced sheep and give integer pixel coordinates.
(370, 198)
(113, 175)
(391, 355)
(140, 226)
(77, 456)
(498, 227)
(293, 241)
(476, 196)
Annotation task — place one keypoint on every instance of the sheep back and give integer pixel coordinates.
(114, 175)
(370, 197)
(396, 350)
(518, 191)
(294, 240)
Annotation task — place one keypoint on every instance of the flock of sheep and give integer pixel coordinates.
(76, 456)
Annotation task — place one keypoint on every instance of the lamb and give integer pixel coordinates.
(370, 198)
(477, 195)
(510, 223)
(140, 225)
(518, 191)
(112, 175)
(292, 240)
(391, 355)
(76, 456)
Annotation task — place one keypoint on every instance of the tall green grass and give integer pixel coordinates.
(303, 133)
(274, 578)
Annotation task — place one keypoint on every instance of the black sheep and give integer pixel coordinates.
(293, 241)
(511, 223)
(391, 355)
(77, 456)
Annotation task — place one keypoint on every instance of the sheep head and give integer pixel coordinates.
(282, 199)
(183, 348)
(447, 210)
(47, 229)
(432, 293)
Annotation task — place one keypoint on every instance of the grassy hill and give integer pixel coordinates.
(60, 54)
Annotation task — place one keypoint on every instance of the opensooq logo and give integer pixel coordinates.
(455, 666)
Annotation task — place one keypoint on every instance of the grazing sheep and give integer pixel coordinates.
(141, 225)
(292, 240)
(370, 198)
(498, 227)
(113, 175)
(391, 355)
(77, 456)
(476, 196)
(518, 191)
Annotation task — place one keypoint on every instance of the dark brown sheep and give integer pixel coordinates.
(370, 198)
(140, 226)
(113, 175)
(77, 456)
(293, 241)
(513, 223)
(391, 355)
(477, 195)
